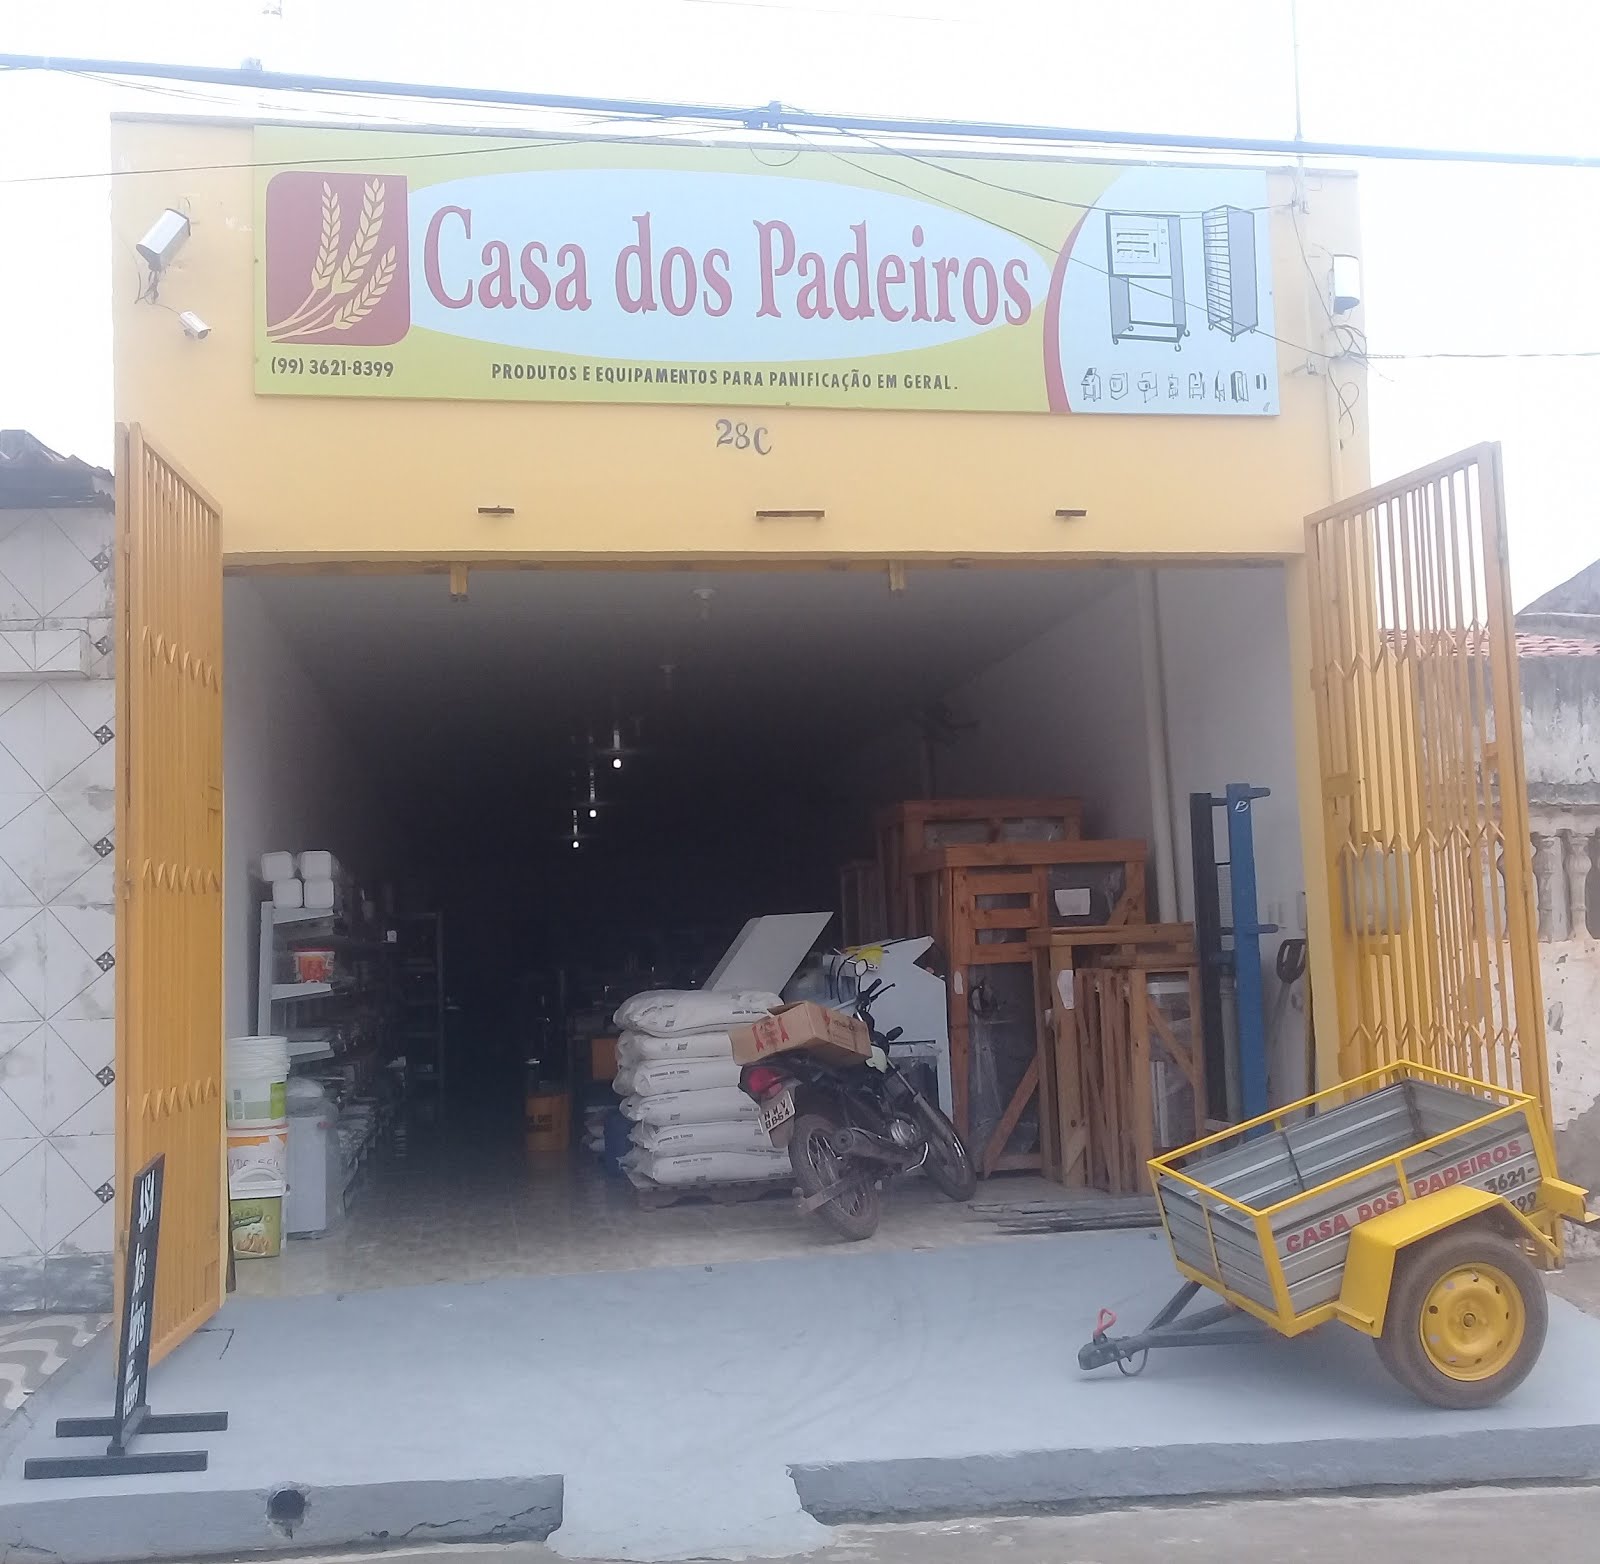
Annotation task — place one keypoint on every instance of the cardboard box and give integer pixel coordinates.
(829, 1033)
(602, 1059)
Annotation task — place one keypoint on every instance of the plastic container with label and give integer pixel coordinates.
(257, 1070)
(256, 1227)
(313, 966)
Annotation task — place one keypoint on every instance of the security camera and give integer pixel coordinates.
(163, 239)
(193, 326)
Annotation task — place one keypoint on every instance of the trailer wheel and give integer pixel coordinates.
(1466, 1318)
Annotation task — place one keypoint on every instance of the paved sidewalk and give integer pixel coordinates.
(1579, 1283)
(35, 1346)
(1476, 1526)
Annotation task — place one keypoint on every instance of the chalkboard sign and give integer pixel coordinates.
(138, 1300)
(131, 1414)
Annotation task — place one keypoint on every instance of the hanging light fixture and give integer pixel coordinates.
(592, 802)
(617, 748)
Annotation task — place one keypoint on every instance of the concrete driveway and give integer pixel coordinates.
(729, 1410)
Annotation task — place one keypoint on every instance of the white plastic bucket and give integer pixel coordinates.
(257, 1069)
(258, 1162)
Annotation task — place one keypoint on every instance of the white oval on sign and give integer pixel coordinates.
(688, 267)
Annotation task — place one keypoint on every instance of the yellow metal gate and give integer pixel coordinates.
(169, 855)
(1425, 808)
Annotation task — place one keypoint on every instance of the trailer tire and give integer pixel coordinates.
(1466, 1318)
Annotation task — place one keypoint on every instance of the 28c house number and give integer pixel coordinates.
(741, 437)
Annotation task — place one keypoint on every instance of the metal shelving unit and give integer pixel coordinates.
(284, 1005)
(419, 973)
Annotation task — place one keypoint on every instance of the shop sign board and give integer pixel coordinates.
(138, 1304)
(423, 265)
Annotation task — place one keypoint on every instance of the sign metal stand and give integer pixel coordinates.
(131, 1415)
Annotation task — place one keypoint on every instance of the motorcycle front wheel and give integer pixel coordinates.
(948, 1166)
(818, 1167)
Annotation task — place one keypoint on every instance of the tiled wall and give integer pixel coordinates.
(57, 923)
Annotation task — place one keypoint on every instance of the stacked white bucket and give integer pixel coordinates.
(312, 879)
(258, 1118)
(680, 1086)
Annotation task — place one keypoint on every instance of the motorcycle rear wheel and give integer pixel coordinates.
(948, 1166)
(818, 1167)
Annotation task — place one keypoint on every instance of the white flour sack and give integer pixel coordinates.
(714, 1105)
(708, 1167)
(679, 1075)
(673, 1140)
(636, 1047)
(665, 1012)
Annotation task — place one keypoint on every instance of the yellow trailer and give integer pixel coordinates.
(1414, 1205)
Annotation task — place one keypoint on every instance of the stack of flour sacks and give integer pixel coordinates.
(680, 1087)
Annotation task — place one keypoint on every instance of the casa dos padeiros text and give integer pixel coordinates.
(863, 280)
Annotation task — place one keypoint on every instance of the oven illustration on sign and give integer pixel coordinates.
(1144, 271)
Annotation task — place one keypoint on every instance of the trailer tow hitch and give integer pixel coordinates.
(1165, 1330)
(1102, 1348)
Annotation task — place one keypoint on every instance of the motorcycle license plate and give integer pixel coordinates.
(777, 1112)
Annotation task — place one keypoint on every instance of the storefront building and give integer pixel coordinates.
(505, 447)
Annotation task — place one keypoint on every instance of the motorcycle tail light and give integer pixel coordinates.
(761, 1081)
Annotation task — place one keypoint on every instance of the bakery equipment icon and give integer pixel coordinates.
(1144, 271)
(1229, 252)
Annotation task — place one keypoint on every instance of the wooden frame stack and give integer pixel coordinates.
(982, 902)
(1118, 1010)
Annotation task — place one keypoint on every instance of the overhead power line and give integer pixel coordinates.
(1502, 357)
(653, 115)
(775, 116)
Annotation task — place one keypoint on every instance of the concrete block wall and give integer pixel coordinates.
(57, 908)
(1560, 676)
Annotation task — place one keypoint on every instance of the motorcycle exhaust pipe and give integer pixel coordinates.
(848, 1141)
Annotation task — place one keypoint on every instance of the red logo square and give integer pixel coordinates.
(337, 258)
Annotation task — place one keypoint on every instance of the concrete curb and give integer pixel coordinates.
(919, 1488)
(112, 1528)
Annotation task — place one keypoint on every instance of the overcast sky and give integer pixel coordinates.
(1457, 258)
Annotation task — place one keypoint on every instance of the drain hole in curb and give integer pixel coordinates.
(286, 1509)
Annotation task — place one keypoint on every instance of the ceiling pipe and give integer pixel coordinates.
(1158, 751)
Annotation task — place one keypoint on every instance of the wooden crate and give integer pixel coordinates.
(1135, 1024)
(920, 825)
(861, 903)
(982, 902)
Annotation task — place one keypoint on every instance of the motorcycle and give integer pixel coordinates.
(849, 1128)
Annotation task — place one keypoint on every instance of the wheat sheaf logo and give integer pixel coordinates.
(328, 279)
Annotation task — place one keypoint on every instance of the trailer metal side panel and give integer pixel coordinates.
(1308, 1171)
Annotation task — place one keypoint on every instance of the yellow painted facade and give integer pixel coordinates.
(303, 480)
(347, 483)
